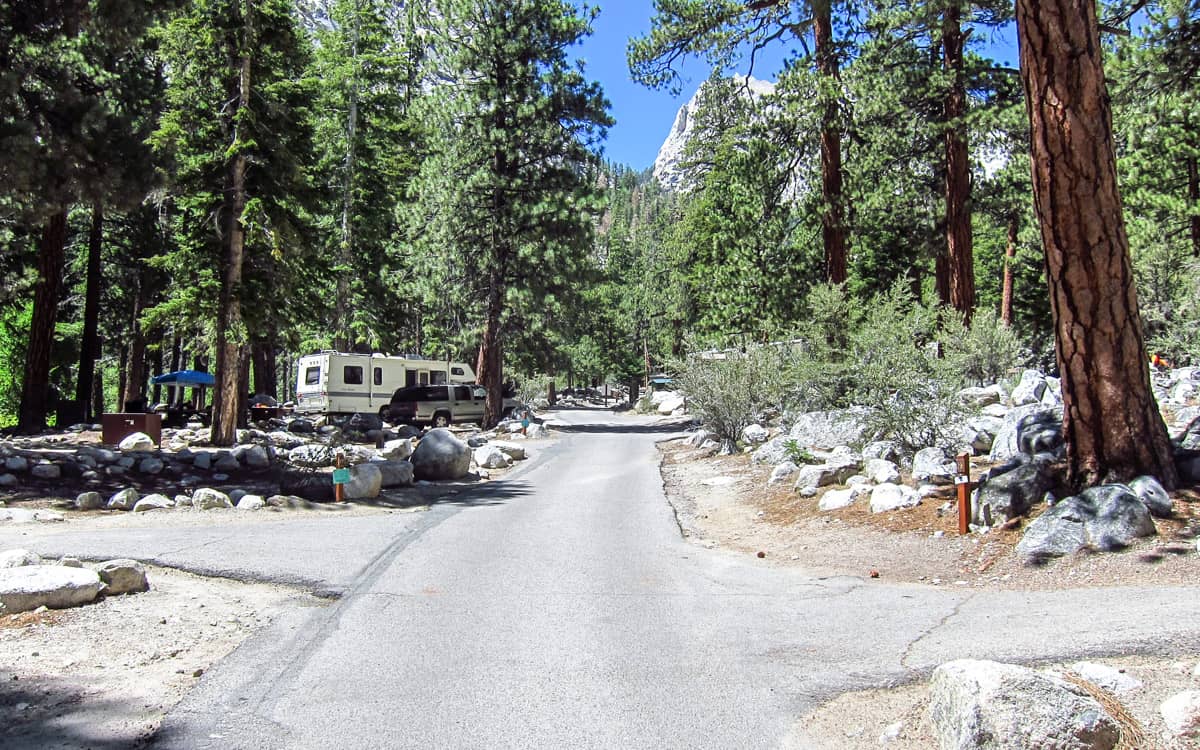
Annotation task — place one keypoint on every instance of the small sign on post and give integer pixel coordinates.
(963, 485)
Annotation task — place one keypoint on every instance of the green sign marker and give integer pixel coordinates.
(341, 476)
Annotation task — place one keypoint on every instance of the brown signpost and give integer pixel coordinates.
(964, 486)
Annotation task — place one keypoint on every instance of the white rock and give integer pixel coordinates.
(207, 498)
(16, 558)
(22, 515)
(512, 450)
(251, 502)
(138, 441)
(491, 457)
(397, 450)
(256, 457)
(983, 704)
(835, 499)
(888, 496)
(122, 577)
(16, 464)
(150, 465)
(54, 586)
(89, 501)
(1030, 389)
(203, 461)
(670, 404)
(153, 502)
(7, 480)
(781, 472)
(1181, 714)
(123, 500)
(891, 733)
(1110, 678)
(881, 471)
(537, 431)
(931, 465)
(755, 434)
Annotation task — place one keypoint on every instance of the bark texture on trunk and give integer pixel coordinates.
(263, 357)
(941, 278)
(135, 368)
(1010, 256)
(229, 349)
(491, 375)
(833, 231)
(1111, 423)
(89, 347)
(35, 389)
(958, 169)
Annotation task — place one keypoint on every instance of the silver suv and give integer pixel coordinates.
(439, 405)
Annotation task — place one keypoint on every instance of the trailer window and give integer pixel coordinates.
(352, 375)
(424, 377)
(437, 377)
(457, 371)
(312, 376)
(378, 377)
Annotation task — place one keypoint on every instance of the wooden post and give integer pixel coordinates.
(339, 463)
(964, 485)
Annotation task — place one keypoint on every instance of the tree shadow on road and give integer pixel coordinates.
(43, 711)
(466, 494)
(664, 428)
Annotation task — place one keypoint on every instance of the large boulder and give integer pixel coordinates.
(253, 456)
(18, 558)
(312, 456)
(670, 403)
(881, 471)
(54, 586)
(934, 466)
(397, 450)
(755, 433)
(975, 705)
(441, 455)
(836, 499)
(363, 422)
(396, 473)
(1009, 491)
(46, 471)
(888, 497)
(153, 502)
(366, 481)
(123, 577)
(207, 498)
(16, 464)
(1106, 517)
(1153, 496)
(1030, 390)
(826, 430)
(773, 452)
(836, 470)
(512, 450)
(138, 441)
(491, 457)
(1027, 430)
(1181, 714)
(123, 500)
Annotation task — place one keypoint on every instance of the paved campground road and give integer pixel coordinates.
(560, 607)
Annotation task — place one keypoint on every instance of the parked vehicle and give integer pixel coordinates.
(440, 405)
(338, 383)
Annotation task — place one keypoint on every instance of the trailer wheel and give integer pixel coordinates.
(441, 419)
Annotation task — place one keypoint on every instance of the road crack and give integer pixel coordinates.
(954, 611)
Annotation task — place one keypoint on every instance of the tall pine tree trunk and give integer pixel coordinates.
(1111, 423)
(342, 338)
(35, 389)
(491, 361)
(229, 348)
(833, 230)
(89, 347)
(941, 278)
(135, 368)
(958, 168)
(1010, 258)
(263, 357)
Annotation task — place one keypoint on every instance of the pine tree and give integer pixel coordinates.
(509, 188)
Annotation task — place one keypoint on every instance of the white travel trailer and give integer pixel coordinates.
(332, 382)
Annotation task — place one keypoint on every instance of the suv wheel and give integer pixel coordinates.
(441, 419)
(384, 414)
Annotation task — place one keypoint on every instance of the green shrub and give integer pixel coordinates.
(727, 390)
(798, 454)
(983, 352)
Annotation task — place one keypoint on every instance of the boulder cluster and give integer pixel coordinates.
(297, 456)
(1016, 429)
(27, 582)
(976, 704)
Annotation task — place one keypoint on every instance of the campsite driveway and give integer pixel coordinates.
(561, 608)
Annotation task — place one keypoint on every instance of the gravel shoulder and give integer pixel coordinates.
(726, 502)
(104, 675)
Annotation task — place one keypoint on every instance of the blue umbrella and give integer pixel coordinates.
(185, 379)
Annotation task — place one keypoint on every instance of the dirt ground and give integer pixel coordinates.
(725, 501)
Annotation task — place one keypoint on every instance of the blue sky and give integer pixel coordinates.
(643, 116)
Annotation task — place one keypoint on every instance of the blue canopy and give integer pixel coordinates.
(185, 378)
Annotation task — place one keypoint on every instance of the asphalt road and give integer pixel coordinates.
(560, 608)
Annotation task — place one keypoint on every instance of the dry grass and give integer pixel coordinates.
(1133, 736)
